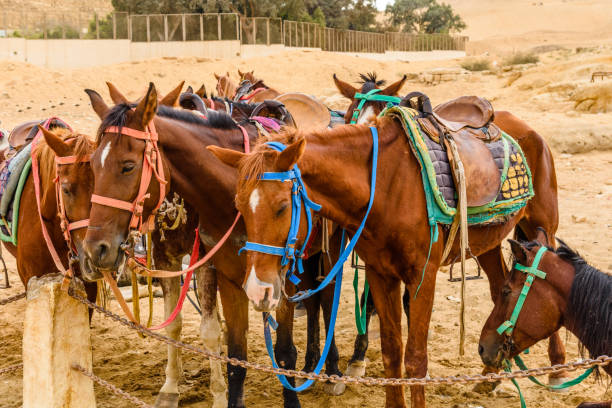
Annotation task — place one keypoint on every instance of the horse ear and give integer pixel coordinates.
(217, 77)
(288, 157)
(173, 96)
(347, 90)
(147, 107)
(519, 251)
(55, 142)
(97, 103)
(240, 73)
(227, 74)
(541, 236)
(189, 90)
(201, 92)
(394, 88)
(227, 156)
(116, 96)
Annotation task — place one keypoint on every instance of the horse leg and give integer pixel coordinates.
(236, 313)
(168, 396)
(387, 298)
(91, 289)
(284, 349)
(210, 331)
(357, 365)
(419, 316)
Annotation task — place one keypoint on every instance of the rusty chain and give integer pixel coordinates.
(10, 369)
(461, 379)
(12, 299)
(115, 390)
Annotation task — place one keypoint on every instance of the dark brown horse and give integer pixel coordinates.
(572, 294)
(335, 165)
(209, 186)
(542, 212)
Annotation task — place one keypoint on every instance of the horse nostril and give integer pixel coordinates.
(103, 250)
(480, 349)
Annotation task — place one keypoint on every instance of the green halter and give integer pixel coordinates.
(373, 97)
(532, 272)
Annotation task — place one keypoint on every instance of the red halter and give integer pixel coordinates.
(152, 165)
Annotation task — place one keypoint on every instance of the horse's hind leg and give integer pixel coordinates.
(357, 365)
(284, 349)
(168, 396)
(210, 331)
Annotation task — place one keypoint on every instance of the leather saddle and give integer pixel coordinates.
(271, 108)
(468, 120)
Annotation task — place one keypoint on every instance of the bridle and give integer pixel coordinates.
(372, 96)
(152, 165)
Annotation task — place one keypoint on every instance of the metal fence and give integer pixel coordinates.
(213, 27)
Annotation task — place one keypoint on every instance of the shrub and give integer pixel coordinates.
(521, 58)
(476, 65)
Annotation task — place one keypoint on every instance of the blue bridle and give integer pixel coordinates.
(290, 255)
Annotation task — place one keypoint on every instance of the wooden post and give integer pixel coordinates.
(56, 335)
(201, 27)
(219, 26)
(165, 27)
(114, 26)
(268, 31)
(184, 28)
(148, 29)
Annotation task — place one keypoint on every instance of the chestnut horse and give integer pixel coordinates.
(542, 211)
(209, 186)
(571, 293)
(335, 166)
(226, 88)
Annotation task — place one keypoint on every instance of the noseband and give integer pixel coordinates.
(372, 96)
(151, 165)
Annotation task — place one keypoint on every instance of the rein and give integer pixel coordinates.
(66, 226)
(507, 327)
(248, 96)
(290, 254)
(372, 96)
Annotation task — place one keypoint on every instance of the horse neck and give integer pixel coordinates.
(337, 166)
(205, 182)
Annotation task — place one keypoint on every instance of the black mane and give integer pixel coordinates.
(370, 81)
(590, 304)
(118, 114)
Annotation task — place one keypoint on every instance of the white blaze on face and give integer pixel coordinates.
(256, 289)
(365, 115)
(105, 152)
(254, 200)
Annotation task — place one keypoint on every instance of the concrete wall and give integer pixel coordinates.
(70, 54)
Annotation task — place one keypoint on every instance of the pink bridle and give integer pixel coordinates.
(151, 165)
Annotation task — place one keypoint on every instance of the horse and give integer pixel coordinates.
(254, 92)
(248, 75)
(226, 88)
(569, 293)
(335, 167)
(204, 183)
(543, 212)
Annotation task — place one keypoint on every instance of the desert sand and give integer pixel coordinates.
(554, 96)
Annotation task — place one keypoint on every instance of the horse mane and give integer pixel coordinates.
(370, 81)
(118, 114)
(82, 147)
(590, 304)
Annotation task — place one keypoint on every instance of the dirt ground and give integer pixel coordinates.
(554, 96)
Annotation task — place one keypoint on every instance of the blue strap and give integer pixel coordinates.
(269, 321)
(347, 251)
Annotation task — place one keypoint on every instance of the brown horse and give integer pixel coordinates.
(203, 182)
(543, 211)
(226, 88)
(335, 165)
(248, 75)
(572, 294)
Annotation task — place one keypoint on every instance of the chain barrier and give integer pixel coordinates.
(115, 390)
(12, 299)
(461, 379)
(10, 369)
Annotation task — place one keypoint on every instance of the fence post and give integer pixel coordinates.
(238, 32)
(219, 26)
(184, 28)
(148, 29)
(201, 27)
(129, 27)
(268, 31)
(56, 335)
(114, 26)
(165, 27)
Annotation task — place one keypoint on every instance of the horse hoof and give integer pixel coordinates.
(334, 388)
(356, 369)
(557, 381)
(485, 387)
(167, 400)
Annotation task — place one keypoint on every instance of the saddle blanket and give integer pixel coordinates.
(516, 184)
(12, 179)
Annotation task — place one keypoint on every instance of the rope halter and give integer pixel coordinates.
(532, 272)
(372, 96)
(290, 255)
(152, 165)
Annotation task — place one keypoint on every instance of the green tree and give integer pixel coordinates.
(423, 16)
(362, 15)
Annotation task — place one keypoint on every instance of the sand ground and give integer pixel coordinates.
(555, 97)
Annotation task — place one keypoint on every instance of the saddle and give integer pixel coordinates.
(271, 108)
(468, 121)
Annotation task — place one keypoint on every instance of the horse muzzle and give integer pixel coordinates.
(265, 296)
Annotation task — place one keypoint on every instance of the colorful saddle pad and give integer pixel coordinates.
(516, 186)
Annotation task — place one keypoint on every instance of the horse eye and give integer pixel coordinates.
(65, 190)
(282, 209)
(506, 291)
(127, 167)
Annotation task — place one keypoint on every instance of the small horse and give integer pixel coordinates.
(335, 166)
(571, 293)
(249, 76)
(204, 183)
(226, 88)
(542, 211)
